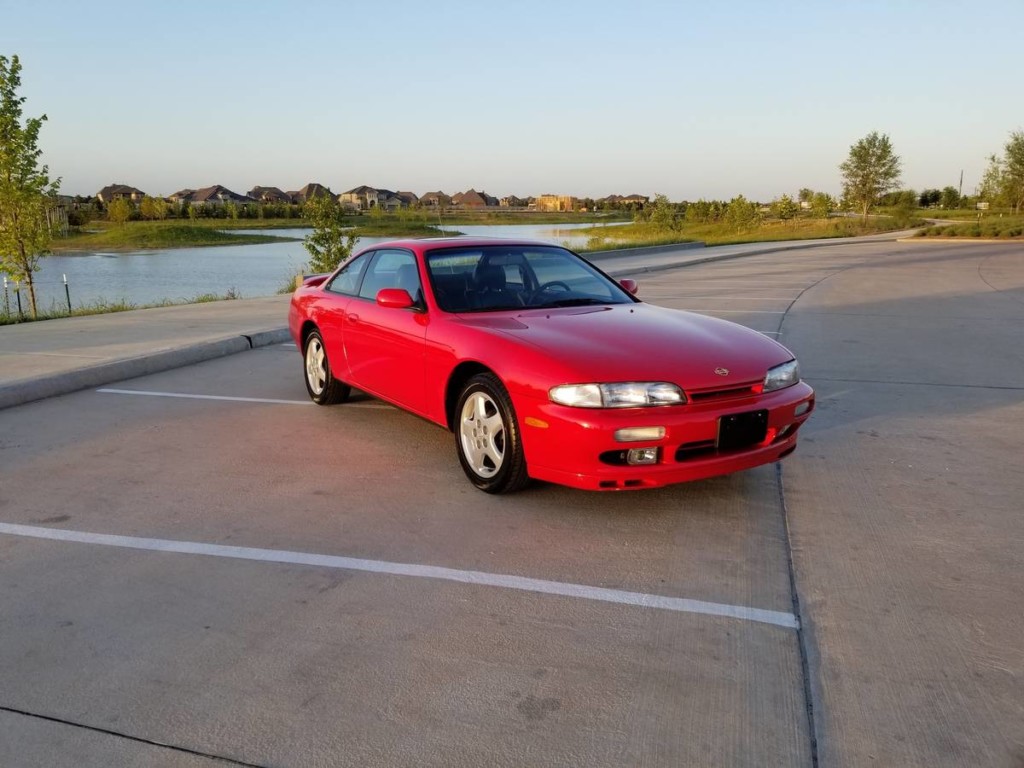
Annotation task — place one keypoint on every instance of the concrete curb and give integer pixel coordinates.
(30, 390)
(648, 250)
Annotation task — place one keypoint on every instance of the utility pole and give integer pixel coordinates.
(961, 192)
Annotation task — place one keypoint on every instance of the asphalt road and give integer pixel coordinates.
(245, 577)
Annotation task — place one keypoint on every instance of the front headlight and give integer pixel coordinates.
(782, 376)
(627, 394)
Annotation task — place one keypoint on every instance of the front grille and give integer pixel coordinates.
(726, 393)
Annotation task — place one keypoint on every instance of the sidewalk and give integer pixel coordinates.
(55, 357)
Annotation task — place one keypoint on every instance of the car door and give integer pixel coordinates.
(329, 311)
(384, 346)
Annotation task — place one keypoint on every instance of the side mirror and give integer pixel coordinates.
(394, 298)
(629, 285)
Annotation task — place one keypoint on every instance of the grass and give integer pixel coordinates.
(646, 234)
(994, 228)
(179, 233)
(104, 306)
(152, 235)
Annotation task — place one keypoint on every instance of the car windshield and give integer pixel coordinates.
(502, 277)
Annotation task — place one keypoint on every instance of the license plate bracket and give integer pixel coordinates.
(742, 430)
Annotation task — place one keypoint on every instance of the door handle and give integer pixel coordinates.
(353, 318)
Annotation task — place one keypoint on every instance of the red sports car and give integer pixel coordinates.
(544, 367)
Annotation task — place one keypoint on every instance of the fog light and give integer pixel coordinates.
(642, 456)
(639, 434)
(803, 408)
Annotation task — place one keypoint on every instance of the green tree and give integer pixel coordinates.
(26, 191)
(1013, 162)
(805, 195)
(330, 243)
(153, 208)
(1003, 182)
(119, 210)
(741, 213)
(871, 170)
(822, 204)
(930, 197)
(784, 208)
(663, 213)
(950, 198)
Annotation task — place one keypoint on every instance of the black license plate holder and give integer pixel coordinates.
(742, 430)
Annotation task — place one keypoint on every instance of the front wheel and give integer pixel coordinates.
(487, 436)
(321, 385)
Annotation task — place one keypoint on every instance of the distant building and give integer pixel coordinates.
(511, 201)
(310, 191)
(409, 199)
(360, 198)
(556, 203)
(473, 199)
(118, 192)
(435, 200)
(270, 195)
(217, 195)
(181, 196)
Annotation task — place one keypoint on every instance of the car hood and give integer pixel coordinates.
(639, 342)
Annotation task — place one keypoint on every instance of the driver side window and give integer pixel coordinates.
(392, 269)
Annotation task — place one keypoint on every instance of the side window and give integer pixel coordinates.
(392, 269)
(347, 280)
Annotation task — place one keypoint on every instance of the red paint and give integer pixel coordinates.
(408, 355)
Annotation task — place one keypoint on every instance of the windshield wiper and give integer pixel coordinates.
(576, 302)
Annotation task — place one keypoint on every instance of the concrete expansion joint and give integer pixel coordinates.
(128, 737)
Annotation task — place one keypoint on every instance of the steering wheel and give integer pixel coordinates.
(545, 286)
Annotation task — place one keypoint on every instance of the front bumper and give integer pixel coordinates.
(565, 445)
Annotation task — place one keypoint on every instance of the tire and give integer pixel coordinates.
(321, 385)
(487, 436)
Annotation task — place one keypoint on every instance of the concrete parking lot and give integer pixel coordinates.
(200, 567)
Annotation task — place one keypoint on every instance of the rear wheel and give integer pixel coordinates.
(321, 385)
(487, 436)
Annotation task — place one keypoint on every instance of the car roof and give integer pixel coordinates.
(423, 244)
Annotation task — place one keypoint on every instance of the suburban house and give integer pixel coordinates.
(215, 195)
(435, 200)
(513, 202)
(310, 191)
(181, 196)
(556, 203)
(271, 195)
(473, 199)
(362, 198)
(119, 191)
(409, 199)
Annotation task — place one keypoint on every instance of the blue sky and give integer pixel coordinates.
(585, 98)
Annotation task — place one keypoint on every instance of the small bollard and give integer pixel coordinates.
(67, 293)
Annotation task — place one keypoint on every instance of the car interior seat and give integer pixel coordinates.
(489, 288)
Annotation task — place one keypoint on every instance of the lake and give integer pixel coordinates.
(181, 274)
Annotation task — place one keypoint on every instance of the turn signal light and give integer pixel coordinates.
(639, 434)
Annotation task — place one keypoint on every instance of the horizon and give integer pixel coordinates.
(570, 99)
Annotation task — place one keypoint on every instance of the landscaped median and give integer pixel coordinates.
(992, 228)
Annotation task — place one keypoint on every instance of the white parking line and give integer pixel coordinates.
(477, 578)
